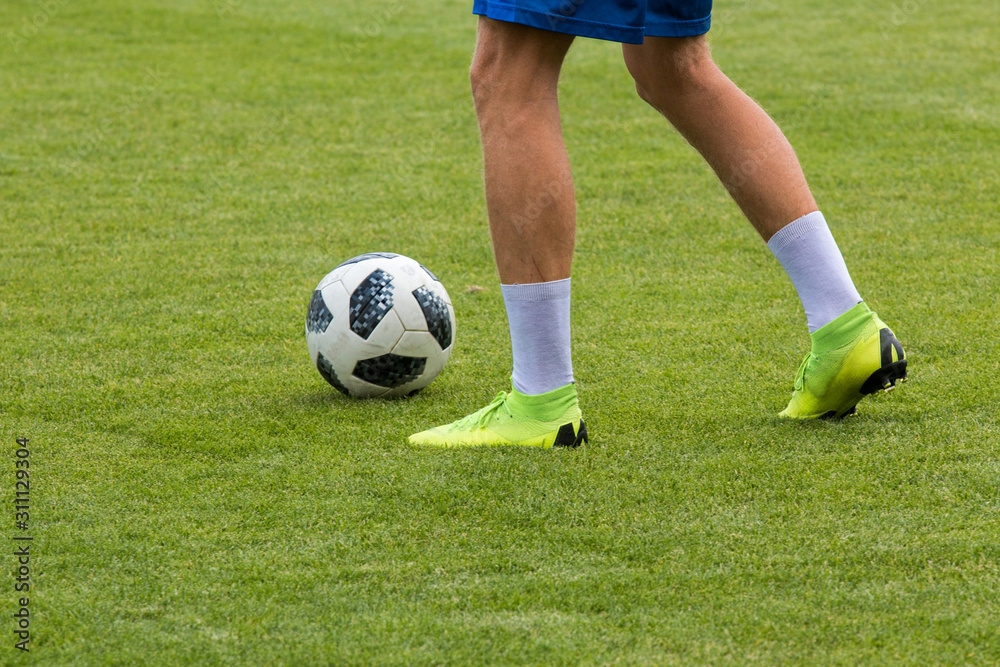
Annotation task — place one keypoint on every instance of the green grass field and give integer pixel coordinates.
(176, 177)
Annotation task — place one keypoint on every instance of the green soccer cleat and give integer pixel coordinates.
(853, 356)
(547, 420)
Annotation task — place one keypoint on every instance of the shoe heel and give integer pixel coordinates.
(568, 438)
(884, 379)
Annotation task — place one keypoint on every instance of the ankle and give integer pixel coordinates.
(548, 406)
(842, 329)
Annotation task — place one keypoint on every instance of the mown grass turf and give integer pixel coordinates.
(175, 177)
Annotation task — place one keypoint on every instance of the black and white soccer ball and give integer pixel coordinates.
(380, 324)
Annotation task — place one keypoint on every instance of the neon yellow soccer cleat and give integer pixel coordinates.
(547, 420)
(853, 356)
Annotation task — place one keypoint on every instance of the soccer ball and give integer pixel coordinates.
(380, 324)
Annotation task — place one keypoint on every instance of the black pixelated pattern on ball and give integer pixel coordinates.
(371, 300)
(367, 255)
(389, 370)
(319, 316)
(326, 370)
(437, 315)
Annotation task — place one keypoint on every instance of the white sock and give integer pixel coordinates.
(538, 316)
(812, 260)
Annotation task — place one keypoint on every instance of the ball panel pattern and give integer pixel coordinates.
(380, 325)
(366, 256)
(436, 313)
(370, 301)
(318, 317)
(326, 370)
(389, 370)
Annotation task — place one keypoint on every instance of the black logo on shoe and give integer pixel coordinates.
(568, 437)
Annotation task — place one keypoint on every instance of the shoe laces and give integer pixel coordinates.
(801, 373)
(482, 417)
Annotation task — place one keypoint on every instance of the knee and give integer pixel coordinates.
(644, 94)
(484, 76)
(513, 67)
(654, 90)
(669, 67)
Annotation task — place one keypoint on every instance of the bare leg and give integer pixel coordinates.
(747, 150)
(529, 187)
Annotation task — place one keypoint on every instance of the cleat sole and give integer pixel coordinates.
(885, 378)
(832, 414)
(831, 382)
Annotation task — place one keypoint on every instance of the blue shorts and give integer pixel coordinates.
(616, 20)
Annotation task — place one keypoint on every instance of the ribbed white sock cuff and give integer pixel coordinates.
(811, 258)
(796, 229)
(556, 289)
(539, 318)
